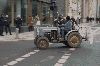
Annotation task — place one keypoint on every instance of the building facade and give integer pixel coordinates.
(73, 8)
(82, 8)
(26, 8)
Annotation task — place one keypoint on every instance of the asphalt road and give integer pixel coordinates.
(25, 53)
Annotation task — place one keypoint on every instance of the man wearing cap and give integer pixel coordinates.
(7, 25)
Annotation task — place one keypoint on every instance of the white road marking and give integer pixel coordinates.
(31, 53)
(12, 63)
(27, 55)
(5, 65)
(62, 61)
(68, 54)
(72, 49)
(36, 50)
(57, 64)
(65, 57)
(20, 59)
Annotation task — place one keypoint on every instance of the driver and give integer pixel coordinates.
(61, 25)
(67, 26)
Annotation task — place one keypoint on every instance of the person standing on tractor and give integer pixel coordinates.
(74, 23)
(67, 26)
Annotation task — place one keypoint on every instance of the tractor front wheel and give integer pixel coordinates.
(42, 43)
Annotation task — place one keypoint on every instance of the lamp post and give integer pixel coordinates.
(96, 8)
(12, 12)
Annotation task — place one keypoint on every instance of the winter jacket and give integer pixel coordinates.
(68, 25)
(18, 22)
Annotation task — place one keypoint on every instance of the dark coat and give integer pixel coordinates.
(1, 21)
(68, 25)
(18, 22)
(6, 21)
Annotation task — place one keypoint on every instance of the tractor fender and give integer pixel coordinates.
(66, 36)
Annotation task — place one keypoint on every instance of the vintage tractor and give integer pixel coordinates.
(46, 34)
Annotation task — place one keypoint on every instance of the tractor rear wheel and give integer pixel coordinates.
(42, 43)
(74, 39)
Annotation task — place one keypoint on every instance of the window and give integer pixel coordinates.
(34, 8)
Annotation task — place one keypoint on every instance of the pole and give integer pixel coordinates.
(82, 11)
(96, 8)
(12, 11)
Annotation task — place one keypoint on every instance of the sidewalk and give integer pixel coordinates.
(22, 36)
(90, 24)
(30, 35)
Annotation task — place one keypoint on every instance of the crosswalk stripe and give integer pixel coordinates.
(12, 63)
(21, 58)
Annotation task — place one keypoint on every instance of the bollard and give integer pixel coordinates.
(17, 33)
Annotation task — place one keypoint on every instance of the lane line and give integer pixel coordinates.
(58, 64)
(67, 54)
(63, 59)
(5, 65)
(21, 58)
(36, 50)
(27, 55)
(72, 49)
(12, 63)
(31, 53)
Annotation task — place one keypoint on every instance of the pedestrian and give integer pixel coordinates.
(90, 19)
(67, 26)
(99, 20)
(30, 23)
(1, 25)
(7, 25)
(18, 23)
(87, 19)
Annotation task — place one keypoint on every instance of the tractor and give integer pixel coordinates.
(47, 33)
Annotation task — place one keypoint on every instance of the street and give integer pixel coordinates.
(25, 53)
(32, 32)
